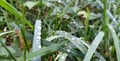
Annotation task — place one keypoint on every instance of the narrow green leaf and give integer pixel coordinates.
(10, 8)
(3, 51)
(53, 37)
(61, 57)
(14, 11)
(74, 40)
(93, 46)
(87, 25)
(8, 50)
(3, 33)
(43, 51)
(31, 4)
(116, 41)
(80, 41)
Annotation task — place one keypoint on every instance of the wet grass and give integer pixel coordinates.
(72, 30)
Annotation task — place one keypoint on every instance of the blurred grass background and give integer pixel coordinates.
(72, 30)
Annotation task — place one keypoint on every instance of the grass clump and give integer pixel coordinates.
(71, 30)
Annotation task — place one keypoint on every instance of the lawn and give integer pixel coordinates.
(59, 30)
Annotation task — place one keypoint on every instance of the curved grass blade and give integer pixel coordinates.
(43, 51)
(61, 57)
(108, 13)
(31, 4)
(8, 51)
(53, 37)
(6, 46)
(3, 33)
(116, 41)
(37, 39)
(93, 46)
(101, 58)
(80, 40)
(14, 11)
(74, 40)
(10, 8)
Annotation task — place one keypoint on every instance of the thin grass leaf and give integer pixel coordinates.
(3, 33)
(116, 41)
(97, 54)
(87, 25)
(80, 40)
(74, 40)
(93, 46)
(58, 56)
(53, 37)
(10, 8)
(14, 11)
(31, 4)
(61, 57)
(8, 51)
(43, 51)
(108, 13)
(37, 39)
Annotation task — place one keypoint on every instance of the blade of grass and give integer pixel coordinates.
(116, 41)
(61, 57)
(10, 8)
(15, 12)
(97, 54)
(74, 40)
(109, 13)
(31, 4)
(43, 51)
(8, 51)
(83, 42)
(3, 33)
(5, 45)
(53, 37)
(87, 25)
(93, 46)
(80, 40)
(37, 39)
(63, 12)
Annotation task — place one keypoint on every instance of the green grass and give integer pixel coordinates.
(71, 30)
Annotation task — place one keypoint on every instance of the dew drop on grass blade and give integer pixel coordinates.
(37, 39)
(93, 46)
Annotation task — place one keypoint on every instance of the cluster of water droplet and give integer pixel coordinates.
(37, 39)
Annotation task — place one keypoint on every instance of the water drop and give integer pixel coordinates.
(37, 42)
(95, 43)
(63, 57)
(79, 42)
(39, 33)
(65, 33)
(34, 58)
(38, 27)
(73, 38)
(39, 46)
(68, 50)
(74, 22)
(59, 1)
(38, 38)
(66, 44)
(60, 31)
(77, 39)
(110, 48)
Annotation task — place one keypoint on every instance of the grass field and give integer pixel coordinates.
(69, 30)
